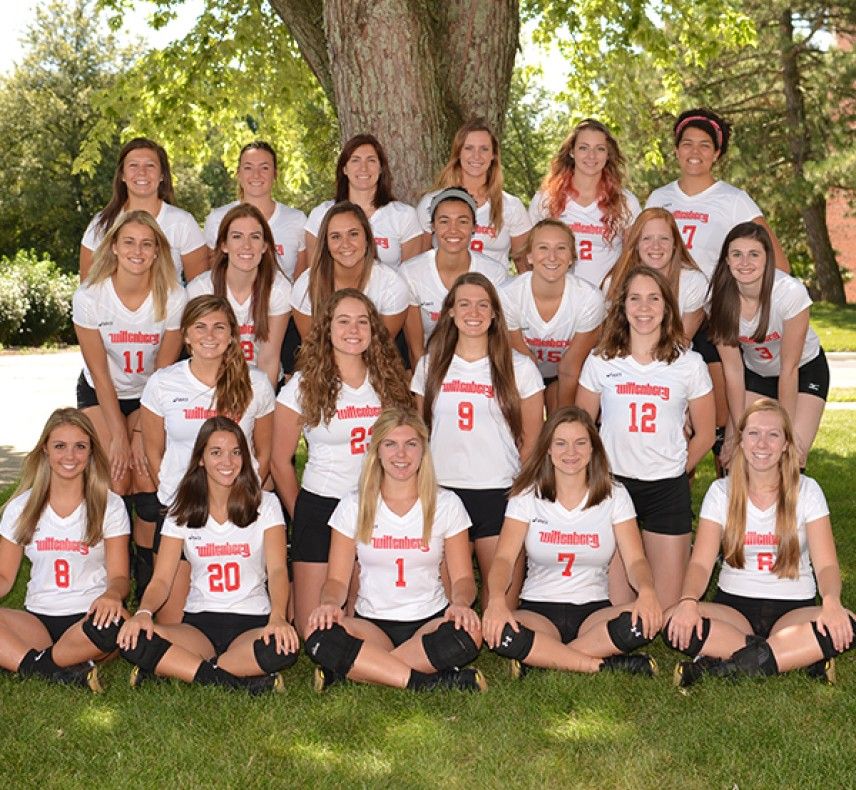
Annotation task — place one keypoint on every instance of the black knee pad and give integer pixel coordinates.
(515, 644)
(753, 660)
(825, 641)
(147, 506)
(696, 642)
(449, 647)
(719, 440)
(144, 564)
(333, 649)
(103, 638)
(626, 635)
(268, 659)
(148, 652)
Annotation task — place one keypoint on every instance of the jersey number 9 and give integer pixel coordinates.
(466, 414)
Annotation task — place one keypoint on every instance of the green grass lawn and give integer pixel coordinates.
(580, 731)
(835, 326)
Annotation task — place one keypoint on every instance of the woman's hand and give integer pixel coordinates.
(647, 608)
(138, 454)
(686, 619)
(130, 631)
(464, 617)
(834, 620)
(107, 609)
(284, 635)
(324, 616)
(119, 455)
(496, 617)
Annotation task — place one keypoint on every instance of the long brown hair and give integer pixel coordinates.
(162, 276)
(263, 282)
(383, 190)
(538, 471)
(724, 322)
(558, 184)
(233, 391)
(615, 340)
(452, 176)
(36, 478)
(320, 380)
(120, 189)
(322, 271)
(681, 258)
(787, 561)
(441, 349)
(371, 476)
(191, 498)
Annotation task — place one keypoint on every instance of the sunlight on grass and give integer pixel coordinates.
(325, 758)
(587, 726)
(98, 718)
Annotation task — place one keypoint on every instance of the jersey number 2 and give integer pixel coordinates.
(224, 577)
(359, 439)
(586, 250)
(643, 418)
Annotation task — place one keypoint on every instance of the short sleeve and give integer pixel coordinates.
(537, 208)
(417, 383)
(9, 522)
(700, 383)
(171, 529)
(451, 514)
(423, 211)
(745, 209)
(83, 308)
(200, 285)
(151, 394)
(289, 394)
(519, 507)
(633, 205)
(280, 295)
(693, 285)
(591, 309)
(526, 374)
(715, 503)
(300, 294)
(116, 521)
(189, 237)
(622, 504)
(344, 517)
(262, 392)
(812, 500)
(514, 216)
(212, 225)
(394, 294)
(91, 236)
(590, 374)
(510, 307)
(175, 308)
(316, 217)
(409, 227)
(793, 298)
(270, 512)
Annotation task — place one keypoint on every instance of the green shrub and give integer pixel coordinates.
(47, 293)
(13, 307)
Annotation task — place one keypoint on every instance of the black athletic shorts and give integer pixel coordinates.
(486, 509)
(289, 348)
(399, 631)
(762, 613)
(223, 628)
(567, 617)
(662, 506)
(310, 528)
(87, 398)
(702, 344)
(57, 624)
(548, 380)
(813, 379)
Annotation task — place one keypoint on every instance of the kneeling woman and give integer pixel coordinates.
(234, 632)
(399, 526)
(772, 525)
(569, 515)
(74, 531)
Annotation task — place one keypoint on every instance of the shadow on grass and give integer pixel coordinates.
(10, 467)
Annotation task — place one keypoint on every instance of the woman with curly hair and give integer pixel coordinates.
(346, 258)
(642, 380)
(143, 182)
(484, 405)
(244, 270)
(655, 241)
(584, 190)
(177, 400)
(501, 224)
(398, 528)
(770, 525)
(74, 531)
(347, 371)
(363, 177)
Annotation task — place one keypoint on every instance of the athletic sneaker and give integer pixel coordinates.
(688, 673)
(467, 679)
(518, 669)
(632, 663)
(322, 679)
(823, 670)
(139, 676)
(262, 684)
(84, 675)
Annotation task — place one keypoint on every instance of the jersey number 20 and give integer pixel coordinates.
(223, 578)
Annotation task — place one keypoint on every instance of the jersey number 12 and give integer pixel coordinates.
(643, 418)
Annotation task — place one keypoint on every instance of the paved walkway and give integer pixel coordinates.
(33, 385)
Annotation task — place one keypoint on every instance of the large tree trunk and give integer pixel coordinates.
(829, 281)
(409, 72)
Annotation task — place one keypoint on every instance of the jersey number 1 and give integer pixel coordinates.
(399, 581)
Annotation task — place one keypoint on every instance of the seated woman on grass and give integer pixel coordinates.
(772, 526)
(398, 528)
(570, 516)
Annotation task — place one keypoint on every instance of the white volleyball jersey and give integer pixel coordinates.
(788, 299)
(471, 442)
(386, 288)
(184, 403)
(66, 574)
(392, 225)
(399, 578)
(756, 578)
(427, 290)
(692, 291)
(706, 218)
(178, 226)
(279, 304)
(568, 551)
(486, 239)
(131, 338)
(336, 449)
(581, 310)
(643, 409)
(228, 572)
(595, 256)
(286, 226)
